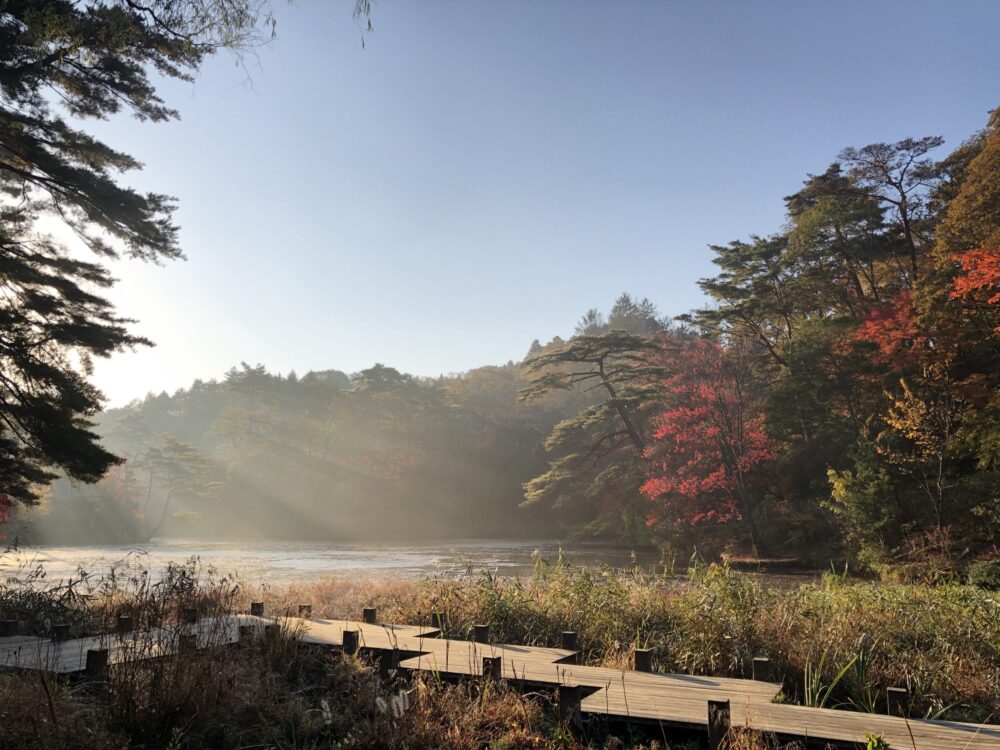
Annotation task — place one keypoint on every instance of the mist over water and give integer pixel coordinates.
(276, 562)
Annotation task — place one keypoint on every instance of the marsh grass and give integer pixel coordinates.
(852, 638)
(270, 692)
(840, 639)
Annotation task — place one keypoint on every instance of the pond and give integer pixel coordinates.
(285, 562)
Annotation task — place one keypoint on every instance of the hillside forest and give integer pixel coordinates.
(838, 397)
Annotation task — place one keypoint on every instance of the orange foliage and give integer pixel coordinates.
(979, 279)
(892, 328)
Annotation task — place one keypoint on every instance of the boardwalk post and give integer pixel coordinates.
(60, 631)
(896, 701)
(257, 609)
(388, 659)
(718, 723)
(246, 633)
(186, 643)
(370, 615)
(97, 662)
(124, 625)
(190, 615)
(306, 611)
(8, 628)
(492, 667)
(762, 669)
(569, 642)
(481, 633)
(350, 642)
(569, 705)
(643, 660)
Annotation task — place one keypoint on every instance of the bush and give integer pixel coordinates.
(985, 574)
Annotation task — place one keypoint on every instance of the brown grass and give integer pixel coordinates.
(941, 641)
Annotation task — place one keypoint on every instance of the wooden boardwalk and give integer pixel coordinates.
(669, 699)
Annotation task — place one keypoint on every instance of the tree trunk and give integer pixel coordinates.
(163, 518)
(904, 215)
(746, 506)
(633, 433)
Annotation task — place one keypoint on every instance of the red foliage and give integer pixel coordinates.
(892, 328)
(708, 442)
(979, 279)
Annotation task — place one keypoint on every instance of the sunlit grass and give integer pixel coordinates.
(841, 639)
(271, 692)
(942, 642)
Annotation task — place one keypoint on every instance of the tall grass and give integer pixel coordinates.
(273, 692)
(941, 642)
(838, 641)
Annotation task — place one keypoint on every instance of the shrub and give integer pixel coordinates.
(985, 574)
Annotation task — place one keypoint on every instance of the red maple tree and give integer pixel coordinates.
(709, 443)
(892, 328)
(979, 279)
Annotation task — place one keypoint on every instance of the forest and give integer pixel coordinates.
(838, 398)
(813, 452)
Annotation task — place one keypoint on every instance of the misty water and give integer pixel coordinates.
(285, 562)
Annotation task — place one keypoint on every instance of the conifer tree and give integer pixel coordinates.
(95, 60)
(599, 454)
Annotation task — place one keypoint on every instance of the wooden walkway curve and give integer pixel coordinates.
(669, 699)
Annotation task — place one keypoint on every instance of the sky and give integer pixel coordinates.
(479, 174)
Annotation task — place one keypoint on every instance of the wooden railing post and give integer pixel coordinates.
(569, 641)
(350, 642)
(124, 625)
(187, 643)
(370, 615)
(246, 633)
(897, 700)
(388, 659)
(569, 705)
(257, 609)
(761, 667)
(97, 662)
(492, 667)
(60, 631)
(643, 660)
(190, 615)
(481, 633)
(718, 723)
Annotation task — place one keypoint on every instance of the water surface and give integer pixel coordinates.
(284, 562)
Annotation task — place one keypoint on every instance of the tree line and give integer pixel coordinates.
(838, 395)
(375, 454)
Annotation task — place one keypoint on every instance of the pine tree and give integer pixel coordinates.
(598, 454)
(94, 59)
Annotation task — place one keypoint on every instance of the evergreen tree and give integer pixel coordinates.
(95, 59)
(599, 453)
(899, 175)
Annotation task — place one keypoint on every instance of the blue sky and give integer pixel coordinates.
(483, 172)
